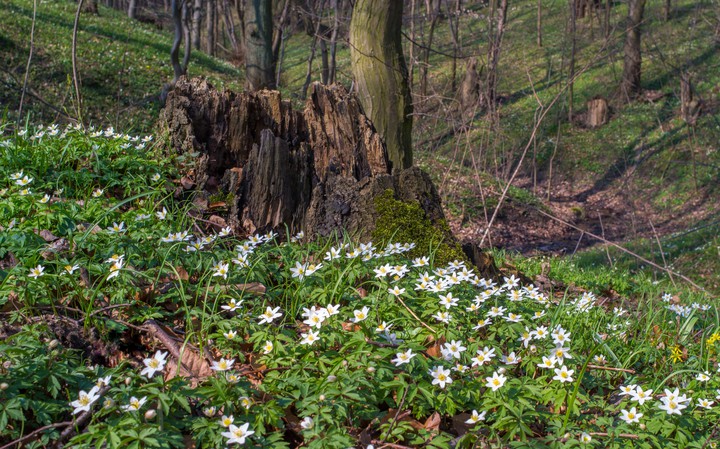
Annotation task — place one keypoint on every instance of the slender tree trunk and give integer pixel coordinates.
(196, 23)
(187, 34)
(494, 56)
(381, 75)
(573, 49)
(333, 41)
(608, 4)
(259, 64)
(230, 27)
(630, 84)
(279, 35)
(315, 31)
(178, 70)
(211, 20)
(454, 23)
(434, 14)
(539, 23)
(413, 39)
(132, 6)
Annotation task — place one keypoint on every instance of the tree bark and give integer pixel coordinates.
(630, 84)
(132, 6)
(381, 75)
(259, 64)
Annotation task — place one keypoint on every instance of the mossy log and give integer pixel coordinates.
(320, 170)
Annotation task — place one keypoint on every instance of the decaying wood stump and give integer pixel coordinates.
(598, 112)
(317, 170)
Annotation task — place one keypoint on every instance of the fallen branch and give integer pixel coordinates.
(623, 249)
(34, 433)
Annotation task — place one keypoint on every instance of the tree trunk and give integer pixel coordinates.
(454, 23)
(411, 51)
(434, 14)
(333, 42)
(381, 75)
(666, 10)
(187, 31)
(630, 84)
(131, 9)
(178, 70)
(573, 48)
(230, 27)
(539, 23)
(259, 64)
(279, 34)
(211, 20)
(195, 27)
(608, 4)
(313, 31)
(494, 57)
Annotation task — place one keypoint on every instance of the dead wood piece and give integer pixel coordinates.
(191, 364)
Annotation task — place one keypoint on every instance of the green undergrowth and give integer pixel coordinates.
(108, 284)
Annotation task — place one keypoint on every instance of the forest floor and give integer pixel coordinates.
(645, 174)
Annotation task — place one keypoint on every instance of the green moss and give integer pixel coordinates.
(400, 221)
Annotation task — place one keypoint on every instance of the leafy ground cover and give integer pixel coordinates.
(130, 320)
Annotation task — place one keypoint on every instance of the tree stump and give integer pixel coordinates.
(469, 92)
(317, 170)
(598, 112)
(690, 107)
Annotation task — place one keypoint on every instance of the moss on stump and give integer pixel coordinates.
(406, 221)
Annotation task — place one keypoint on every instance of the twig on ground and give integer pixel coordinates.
(632, 436)
(27, 67)
(415, 316)
(662, 253)
(610, 368)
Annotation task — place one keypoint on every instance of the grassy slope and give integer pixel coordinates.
(122, 63)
